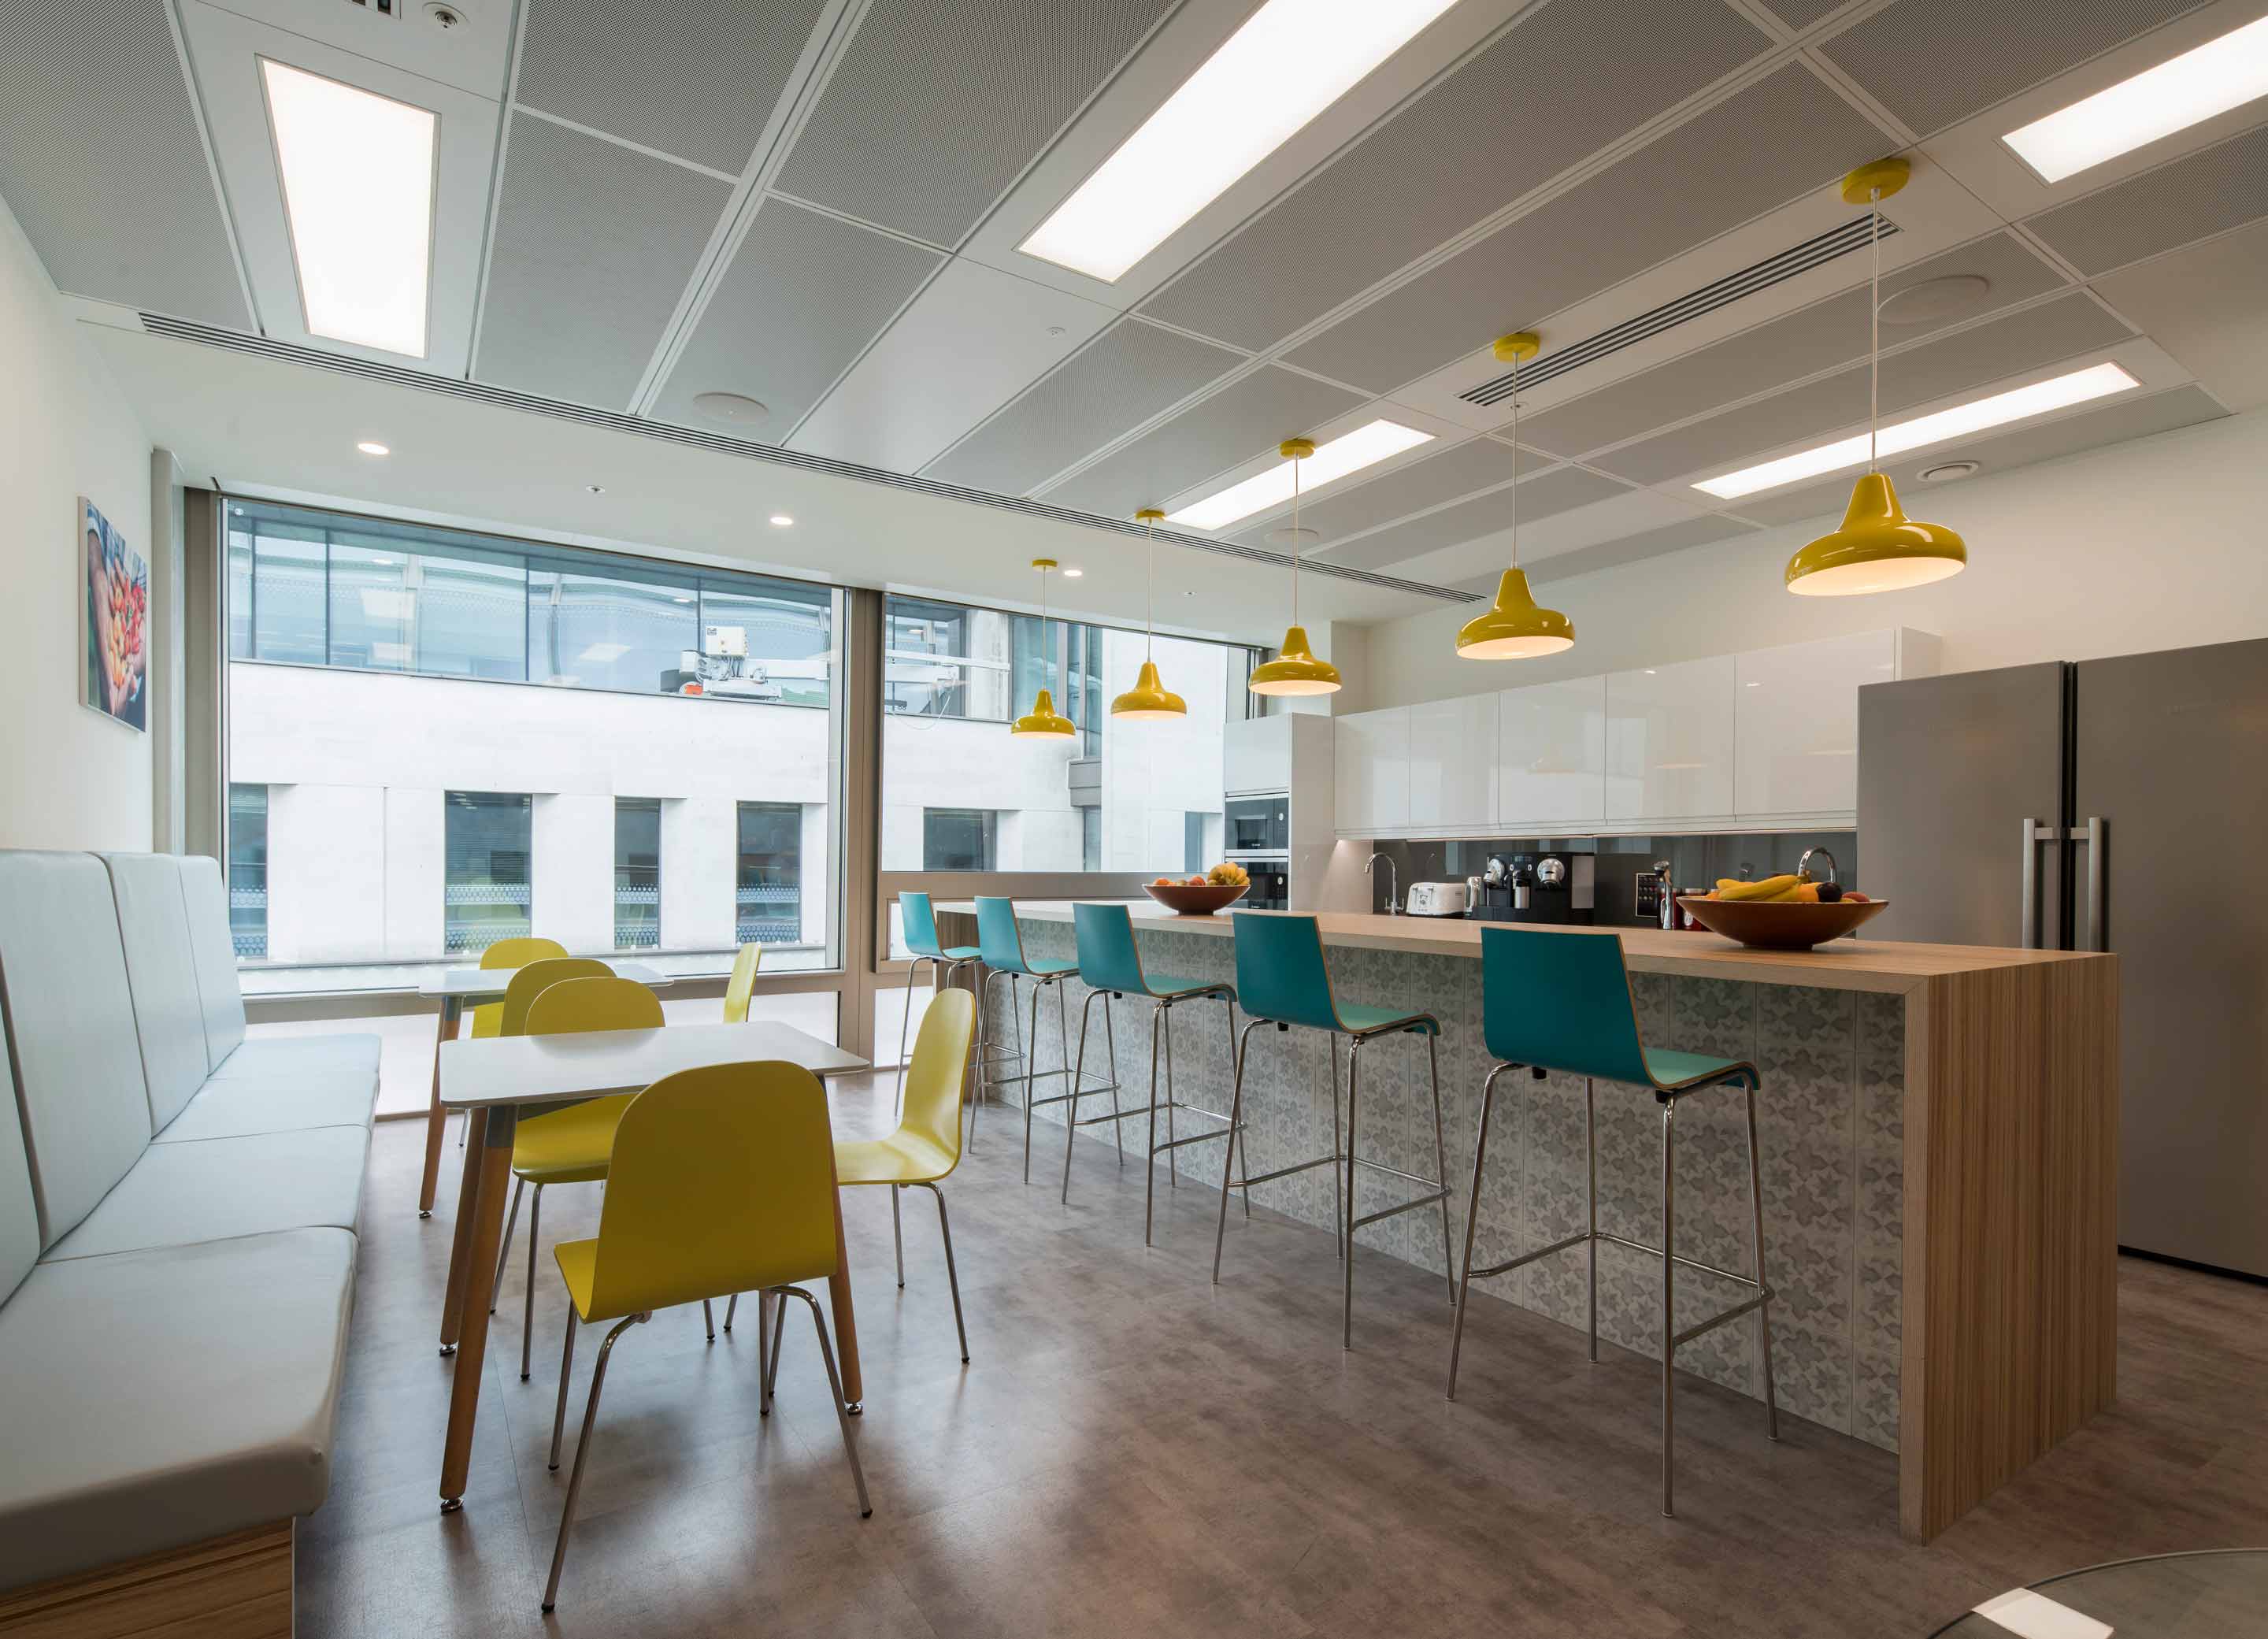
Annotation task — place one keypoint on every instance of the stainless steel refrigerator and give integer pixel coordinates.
(2111, 805)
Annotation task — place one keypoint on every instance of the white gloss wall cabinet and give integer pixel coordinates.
(1796, 727)
(1670, 743)
(1551, 757)
(1256, 755)
(1452, 762)
(1371, 771)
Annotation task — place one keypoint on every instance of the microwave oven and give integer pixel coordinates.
(1257, 824)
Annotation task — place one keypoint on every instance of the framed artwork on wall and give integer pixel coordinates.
(116, 675)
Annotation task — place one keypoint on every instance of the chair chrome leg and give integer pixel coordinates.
(1150, 1145)
(527, 1299)
(504, 1246)
(1338, 1198)
(566, 1370)
(582, 1454)
(1110, 1045)
(1441, 1161)
(1591, 1200)
(1173, 1150)
(1668, 1298)
(1236, 1118)
(835, 1382)
(771, 1359)
(1235, 1130)
(897, 1238)
(1354, 1072)
(1031, 1072)
(1472, 1221)
(1079, 1083)
(731, 1308)
(767, 1352)
(905, 1025)
(709, 1319)
(1756, 1247)
(951, 1276)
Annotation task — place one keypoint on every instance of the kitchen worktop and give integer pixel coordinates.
(1843, 964)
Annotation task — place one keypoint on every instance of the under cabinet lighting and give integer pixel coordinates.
(358, 172)
(1350, 452)
(2060, 392)
(1292, 60)
(2181, 92)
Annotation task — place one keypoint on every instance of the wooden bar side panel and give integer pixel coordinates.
(233, 1587)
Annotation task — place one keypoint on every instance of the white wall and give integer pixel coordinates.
(2153, 544)
(70, 778)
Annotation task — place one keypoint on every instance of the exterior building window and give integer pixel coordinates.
(247, 871)
(486, 844)
(958, 839)
(767, 906)
(1090, 839)
(1193, 842)
(638, 872)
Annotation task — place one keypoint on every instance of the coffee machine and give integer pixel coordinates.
(1542, 887)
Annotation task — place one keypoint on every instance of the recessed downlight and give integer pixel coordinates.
(370, 446)
(781, 521)
(1948, 471)
(1073, 574)
(595, 489)
(734, 409)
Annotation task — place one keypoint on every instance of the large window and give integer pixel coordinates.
(488, 842)
(247, 871)
(767, 892)
(638, 872)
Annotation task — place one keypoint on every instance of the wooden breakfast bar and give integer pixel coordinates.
(1939, 1127)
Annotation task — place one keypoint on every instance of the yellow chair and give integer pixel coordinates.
(723, 1181)
(488, 1017)
(568, 1145)
(737, 988)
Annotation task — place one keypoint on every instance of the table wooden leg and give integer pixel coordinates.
(437, 1119)
(484, 1206)
(452, 1312)
(846, 1321)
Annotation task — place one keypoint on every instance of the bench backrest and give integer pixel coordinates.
(214, 952)
(153, 922)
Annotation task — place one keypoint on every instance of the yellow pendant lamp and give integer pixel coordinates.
(1043, 719)
(1295, 669)
(1148, 700)
(1878, 549)
(1516, 627)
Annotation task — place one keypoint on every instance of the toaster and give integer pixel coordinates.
(1439, 900)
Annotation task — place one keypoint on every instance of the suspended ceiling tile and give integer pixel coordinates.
(1801, 13)
(1540, 497)
(2204, 306)
(1932, 63)
(2207, 192)
(1781, 137)
(2055, 329)
(593, 245)
(1133, 371)
(1243, 419)
(698, 79)
(101, 160)
(935, 109)
(1804, 343)
(1631, 549)
(804, 293)
(2090, 429)
(1569, 78)
(1475, 464)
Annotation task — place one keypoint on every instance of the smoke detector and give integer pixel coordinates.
(444, 14)
(734, 409)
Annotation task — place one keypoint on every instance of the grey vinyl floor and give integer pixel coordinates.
(1134, 1450)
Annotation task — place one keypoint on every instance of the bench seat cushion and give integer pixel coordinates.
(209, 1189)
(161, 1398)
(295, 1055)
(238, 1107)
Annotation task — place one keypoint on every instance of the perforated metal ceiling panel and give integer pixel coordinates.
(698, 79)
(1475, 464)
(2090, 429)
(2207, 192)
(593, 245)
(2055, 329)
(1127, 375)
(101, 160)
(804, 293)
(1933, 62)
(1540, 497)
(1801, 13)
(1241, 421)
(1804, 343)
(939, 105)
(1776, 140)
(1570, 78)
(1671, 537)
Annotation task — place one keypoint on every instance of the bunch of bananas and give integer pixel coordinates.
(1229, 874)
(1783, 890)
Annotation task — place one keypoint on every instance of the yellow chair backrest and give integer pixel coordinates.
(592, 1004)
(488, 1018)
(723, 1180)
(743, 981)
(932, 1108)
(532, 980)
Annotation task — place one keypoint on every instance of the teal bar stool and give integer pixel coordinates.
(1110, 966)
(1281, 979)
(918, 920)
(1561, 1001)
(1000, 946)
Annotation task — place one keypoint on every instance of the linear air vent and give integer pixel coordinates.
(1761, 277)
(211, 335)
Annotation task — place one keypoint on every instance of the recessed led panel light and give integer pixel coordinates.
(2097, 381)
(1350, 452)
(2181, 92)
(357, 172)
(1292, 60)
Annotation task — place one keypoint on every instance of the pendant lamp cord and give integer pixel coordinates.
(1150, 590)
(1514, 490)
(1875, 339)
(1295, 542)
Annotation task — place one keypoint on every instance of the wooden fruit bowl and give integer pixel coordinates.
(1778, 926)
(1195, 899)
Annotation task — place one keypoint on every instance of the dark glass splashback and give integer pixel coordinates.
(1696, 862)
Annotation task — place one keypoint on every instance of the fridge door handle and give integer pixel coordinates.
(2092, 836)
(2034, 833)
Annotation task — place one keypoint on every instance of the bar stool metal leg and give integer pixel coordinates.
(1590, 1201)
(1472, 1223)
(1338, 1145)
(1354, 1072)
(1440, 1162)
(1235, 1123)
(1150, 1170)
(1668, 1299)
(1236, 1131)
(1756, 1249)
(1173, 1170)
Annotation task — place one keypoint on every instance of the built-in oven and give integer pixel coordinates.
(1271, 875)
(1257, 824)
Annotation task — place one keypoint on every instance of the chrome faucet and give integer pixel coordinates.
(1393, 888)
(1803, 866)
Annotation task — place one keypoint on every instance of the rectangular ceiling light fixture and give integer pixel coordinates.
(357, 172)
(1350, 452)
(1292, 60)
(2097, 381)
(2181, 92)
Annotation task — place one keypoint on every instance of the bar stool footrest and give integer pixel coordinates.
(1407, 1205)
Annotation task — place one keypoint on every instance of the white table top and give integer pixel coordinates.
(555, 1069)
(487, 983)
